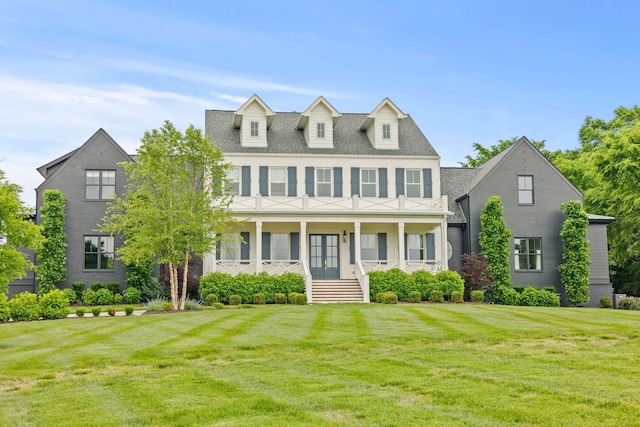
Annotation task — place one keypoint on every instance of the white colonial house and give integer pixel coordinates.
(329, 195)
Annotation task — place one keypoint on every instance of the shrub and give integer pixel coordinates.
(191, 305)
(259, 298)
(436, 296)
(415, 296)
(95, 286)
(280, 298)
(104, 297)
(449, 281)
(518, 288)
(535, 297)
(89, 297)
(550, 289)
(153, 290)
(78, 288)
(379, 297)
(156, 304)
(628, 303)
(5, 312)
(114, 287)
(290, 297)
(247, 285)
(394, 280)
(128, 310)
(70, 295)
(510, 297)
(112, 311)
(298, 298)
(167, 306)
(388, 298)
(605, 302)
(424, 282)
(24, 307)
(80, 312)
(96, 311)
(477, 295)
(475, 273)
(210, 299)
(54, 305)
(456, 297)
(218, 305)
(117, 299)
(235, 300)
(132, 295)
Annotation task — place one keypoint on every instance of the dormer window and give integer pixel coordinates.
(386, 131)
(254, 128)
(320, 130)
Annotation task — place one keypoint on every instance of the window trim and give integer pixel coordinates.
(232, 183)
(386, 131)
(255, 129)
(374, 184)
(320, 130)
(317, 182)
(374, 248)
(420, 248)
(274, 248)
(100, 252)
(232, 242)
(523, 190)
(407, 183)
(272, 181)
(529, 253)
(100, 185)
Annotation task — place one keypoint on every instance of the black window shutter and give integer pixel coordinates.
(308, 180)
(426, 178)
(399, 182)
(218, 250)
(352, 248)
(337, 182)
(355, 181)
(382, 246)
(266, 245)
(382, 177)
(264, 180)
(406, 247)
(244, 247)
(431, 246)
(294, 239)
(292, 191)
(246, 181)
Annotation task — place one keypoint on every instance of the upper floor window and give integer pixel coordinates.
(254, 128)
(323, 182)
(278, 181)
(528, 253)
(234, 180)
(320, 130)
(386, 131)
(525, 189)
(413, 182)
(368, 247)
(99, 253)
(280, 246)
(368, 183)
(100, 184)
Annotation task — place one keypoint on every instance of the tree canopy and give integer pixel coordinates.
(176, 203)
(16, 231)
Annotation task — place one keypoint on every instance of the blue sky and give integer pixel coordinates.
(466, 71)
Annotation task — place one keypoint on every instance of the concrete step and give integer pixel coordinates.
(329, 291)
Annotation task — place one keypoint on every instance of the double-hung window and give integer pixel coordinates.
(100, 184)
(528, 253)
(278, 181)
(254, 128)
(323, 182)
(368, 182)
(280, 250)
(525, 189)
(386, 131)
(415, 247)
(234, 180)
(413, 182)
(99, 253)
(320, 129)
(368, 247)
(230, 247)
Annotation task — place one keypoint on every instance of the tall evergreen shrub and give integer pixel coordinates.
(495, 243)
(574, 271)
(52, 256)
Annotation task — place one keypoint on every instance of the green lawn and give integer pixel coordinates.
(428, 364)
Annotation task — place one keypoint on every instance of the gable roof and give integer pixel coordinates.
(371, 117)
(237, 120)
(304, 117)
(53, 168)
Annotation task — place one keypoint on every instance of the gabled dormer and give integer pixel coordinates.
(253, 119)
(317, 123)
(381, 125)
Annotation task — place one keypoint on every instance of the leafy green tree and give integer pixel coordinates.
(574, 271)
(16, 231)
(495, 243)
(176, 203)
(483, 154)
(52, 256)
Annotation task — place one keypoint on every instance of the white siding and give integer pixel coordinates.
(254, 113)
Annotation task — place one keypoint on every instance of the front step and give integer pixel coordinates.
(336, 290)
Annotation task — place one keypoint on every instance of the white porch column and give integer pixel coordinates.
(258, 246)
(403, 263)
(303, 241)
(443, 245)
(356, 238)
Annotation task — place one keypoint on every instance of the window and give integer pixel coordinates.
(234, 180)
(231, 247)
(528, 253)
(254, 128)
(278, 181)
(415, 247)
(525, 189)
(100, 185)
(386, 131)
(320, 130)
(368, 181)
(280, 247)
(323, 182)
(368, 248)
(413, 182)
(98, 253)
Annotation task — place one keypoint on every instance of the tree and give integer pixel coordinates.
(16, 231)
(475, 273)
(574, 271)
(52, 257)
(483, 154)
(495, 242)
(176, 202)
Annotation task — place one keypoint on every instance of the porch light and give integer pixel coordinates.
(344, 236)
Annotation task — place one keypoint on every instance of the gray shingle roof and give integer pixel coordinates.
(455, 183)
(284, 138)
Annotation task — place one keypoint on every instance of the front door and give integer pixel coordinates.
(324, 256)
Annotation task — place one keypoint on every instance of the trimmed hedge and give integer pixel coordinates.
(247, 285)
(388, 298)
(530, 296)
(477, 295)
(403, 284)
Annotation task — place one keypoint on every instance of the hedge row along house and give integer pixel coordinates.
(333, 196)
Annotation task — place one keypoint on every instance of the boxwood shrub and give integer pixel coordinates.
(456, 297)
(425, 282)
(132, 295)
(235, 300)
(298, 298)
(210, 299)
(70, 295)
(280, 298)
(530, 296)
(78, 288)
(395, 280)
(259, 298)
(477, 295)
(605, 302)
(436, 296)
(89, 297)
(24, 307)
(104, 296)
(388, 297)
(224, 285)
(54, 305)
(415, 296)
(448, 281)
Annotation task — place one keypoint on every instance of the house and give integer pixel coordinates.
(531, 189)
(329, 195)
